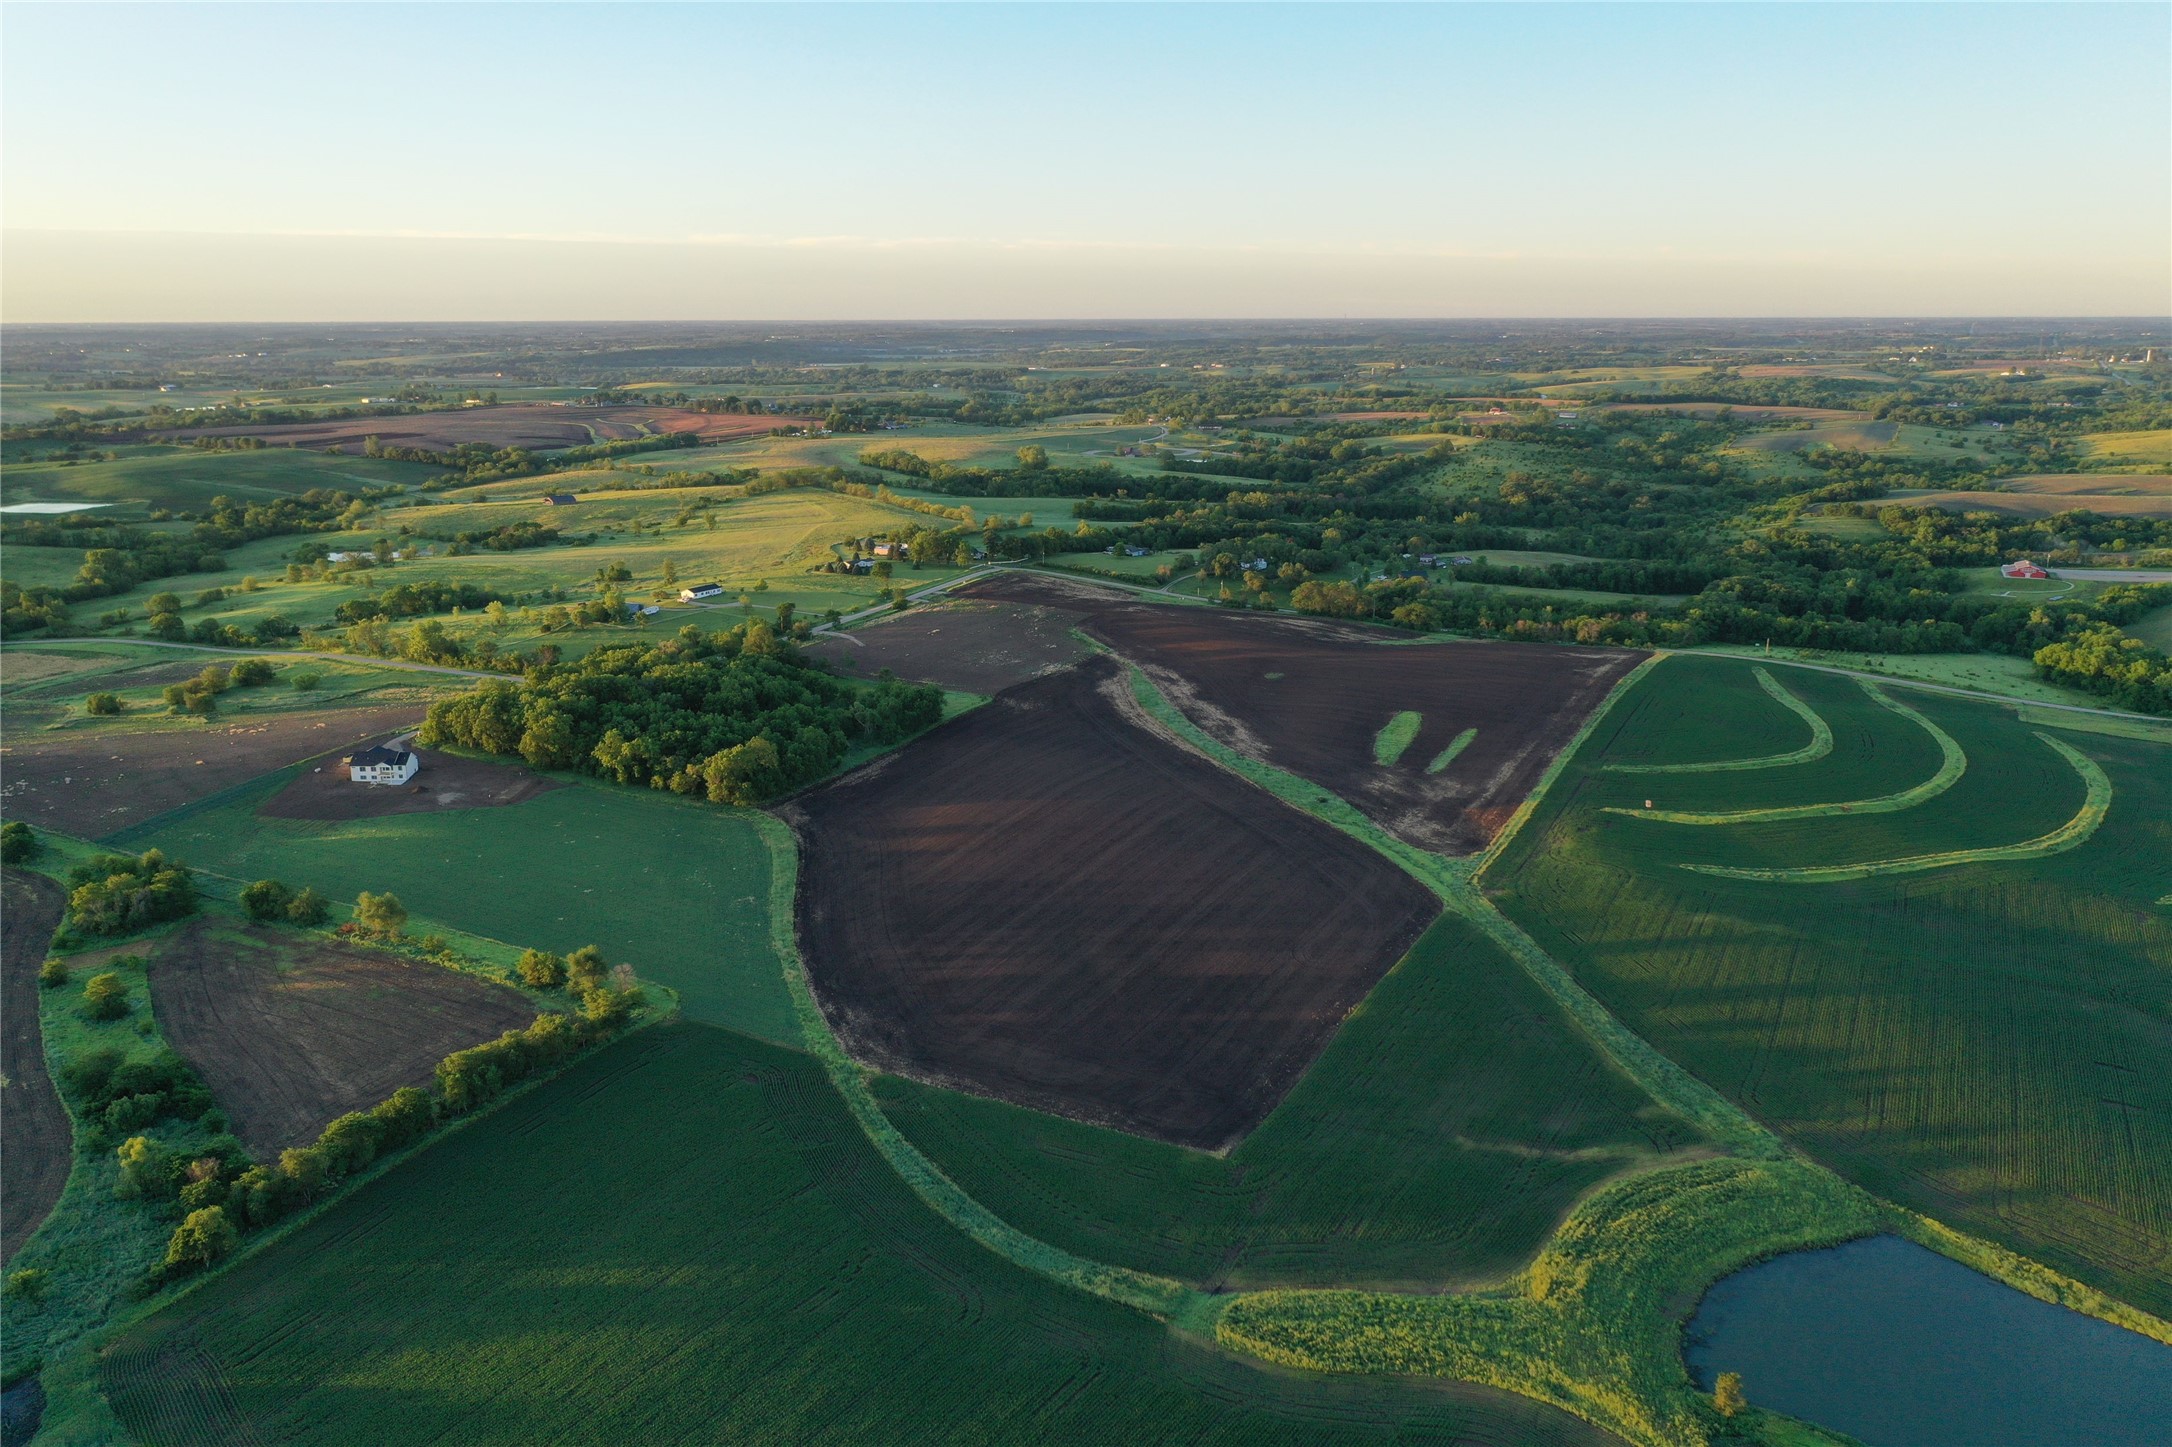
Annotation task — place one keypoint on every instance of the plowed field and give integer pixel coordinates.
(538, 426)
(34, 1136)
(975, 646)
(1049, 903)
(1312, 697)
(292, 1032)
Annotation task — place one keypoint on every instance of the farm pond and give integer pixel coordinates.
(1898, 1346)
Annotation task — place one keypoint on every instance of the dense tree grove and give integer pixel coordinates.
(115, 894)
(737, 717)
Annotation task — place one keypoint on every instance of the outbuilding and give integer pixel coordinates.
(2023, 569)
(701, 591)
(559, 499)
(383, 764)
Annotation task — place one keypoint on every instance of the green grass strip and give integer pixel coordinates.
(1155, 1295)
(1447, 756)
(2070, 835)
(1396, 736)
(1952, 764)
(1821, 741)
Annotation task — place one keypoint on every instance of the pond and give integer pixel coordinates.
(1900, 1347)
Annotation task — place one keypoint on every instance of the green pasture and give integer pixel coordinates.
(139, 675)
(183, 478)
(2149, 451)
(1984, 1042)
(689, 1234)
(676, 888)
(2154, 628)
(1439, 1140)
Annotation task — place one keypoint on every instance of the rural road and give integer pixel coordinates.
(2114, 575)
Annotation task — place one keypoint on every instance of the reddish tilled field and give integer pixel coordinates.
(35, 1140)
(1048, 902)
(975, 646)
(1310, 696)
(93, 783)
(445, 781)
(291, 1031)
(533, 425)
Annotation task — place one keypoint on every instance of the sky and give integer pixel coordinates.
(328, 162)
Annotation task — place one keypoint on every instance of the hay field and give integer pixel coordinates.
(559, 1272)
(2152, 449)
(1977, 1042)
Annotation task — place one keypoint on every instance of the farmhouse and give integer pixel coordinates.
(701, 591)
(2023, 569)
(382, 764)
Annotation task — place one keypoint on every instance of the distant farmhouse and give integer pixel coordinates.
(701, 591)
(383, 764)
(559, 499)
(2024, 569)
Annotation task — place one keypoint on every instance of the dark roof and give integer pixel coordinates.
(706, 588)
(558, 499)
(379, 754)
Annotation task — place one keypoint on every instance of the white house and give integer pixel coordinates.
(701, 591)
(383, 764)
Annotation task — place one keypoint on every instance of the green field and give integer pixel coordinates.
(676, 888)
(687, 1240)
(2138, 451)
(1987, 1043)
(152, 476)
(1438, 1141)
(45, 686)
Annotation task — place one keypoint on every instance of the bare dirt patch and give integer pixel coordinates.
(1045, 903)
(34, 1137)
(535, 425)
(1310, 696)
(969, 644)
(445, 781)
(292, 1031)
(93, 783)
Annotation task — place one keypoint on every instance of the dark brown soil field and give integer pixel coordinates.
(1309, 696)
(444, 782)
(292, 1032)
(534, 425)
(34, 1138)
(974, 646)
(1048, 902)
(96, 782)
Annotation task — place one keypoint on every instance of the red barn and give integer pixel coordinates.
(2024, 569)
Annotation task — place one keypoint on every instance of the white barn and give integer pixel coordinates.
(383, 765)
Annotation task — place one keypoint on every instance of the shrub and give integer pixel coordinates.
(252, 671)
(18, 845)
(102, 704)
(53, 973)
(303, 682)
(541, 969)
(146, 1168)
(105, 997)
(144, 1090)
(201, 1240)
(260, 1195)
(380, 914)
(26, 1285)
(308, 908)
(267, 899)
(585, 969)
(1727, 1394)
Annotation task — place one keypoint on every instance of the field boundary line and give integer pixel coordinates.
(1953, 762)
(2074, 833)
(1821, 740)
(1157, 1296)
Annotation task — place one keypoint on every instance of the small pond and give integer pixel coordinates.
(1900, 1347)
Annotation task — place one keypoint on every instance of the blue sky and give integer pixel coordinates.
(1051, 160)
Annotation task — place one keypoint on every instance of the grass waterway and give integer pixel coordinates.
(1901, 1347)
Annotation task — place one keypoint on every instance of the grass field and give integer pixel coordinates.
(559, 1272)
(151, 476)
(2141, 451)
(1984, 1043)
(678, 889)
(1999, 673)
(2154, 628)
(1438, 1140)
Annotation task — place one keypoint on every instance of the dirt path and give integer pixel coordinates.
(34, 1137)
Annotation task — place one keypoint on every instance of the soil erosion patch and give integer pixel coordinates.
(975, 646)
(1048, 903)
(93, 783)
(445, 781)
(1311, 697)
(292, 1031)
(34, 1136)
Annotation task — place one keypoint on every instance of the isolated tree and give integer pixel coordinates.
(380, 914)
(1032, 457)
(105, 997)
(102, 704)
(308, 908)
(1727, 1394)
(18, 845)
(204, 1238)
(267, 899)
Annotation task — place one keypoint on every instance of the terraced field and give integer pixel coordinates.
(1982, 1037)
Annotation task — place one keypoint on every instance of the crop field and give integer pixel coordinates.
(536, 426)
(679, 890)
(1311, 697)
(1438, 1140)
(556, 1274)
(1051, 904)
(974, 646)
(1981, 1041)
(292, 1032)
(2108, 494)
(34, 1135)
(93, 783)
(182, 477)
